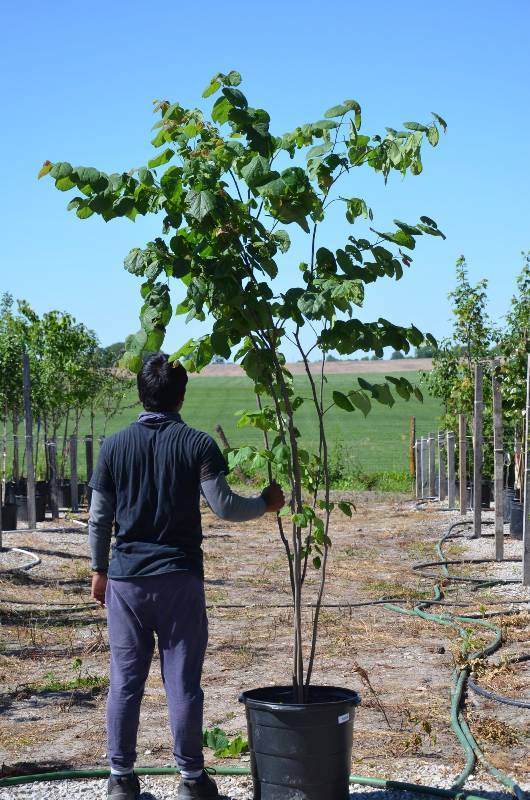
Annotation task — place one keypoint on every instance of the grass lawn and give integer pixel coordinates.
(359, 446)
(376, 443)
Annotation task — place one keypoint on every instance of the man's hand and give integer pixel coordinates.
(99, 584)
(274, 497)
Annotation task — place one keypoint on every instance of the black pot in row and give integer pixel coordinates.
(16, 489)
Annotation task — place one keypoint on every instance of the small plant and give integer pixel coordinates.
(420, 731)
(54, 684)
(224, 747)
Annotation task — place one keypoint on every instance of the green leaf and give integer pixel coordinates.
(84, 212)
(221, 109)
(282, 239)
(319, 150)
(433, 136)
(416, 126)
(337, 111)
(200, 204)
(64, 184)
(131, 361)
(215, 738)
(61, 170)
(236, 98)
(326, 260)
(273, 188)
(345, 508)
(212, 87)
(353, 105)
(317, 562)
(123, 205)
(439, 119)
(220, 344)
(418, 395)
(342, 401)
(145, 177)
(163, 158)
(255, 171)
(135, 262)
(155, 339)
(360, 401)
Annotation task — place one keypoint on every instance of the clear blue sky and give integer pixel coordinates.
(78, 80)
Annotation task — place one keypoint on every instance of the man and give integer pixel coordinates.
(147, 482)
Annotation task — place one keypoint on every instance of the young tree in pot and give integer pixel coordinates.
(227, 198)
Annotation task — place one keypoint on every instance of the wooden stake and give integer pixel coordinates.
(525, 495)
(424, 458)
(450, 470)
(74, 494)
(89, 457)
(418, 469)
(442, 475)
(498, 449)
(412, 447)
(238, 472)
(51, 446)
(28, 420)
(432, 466)
(462, 458)
(477, 453)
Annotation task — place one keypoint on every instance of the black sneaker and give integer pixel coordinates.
(201, 788)
(123, 787)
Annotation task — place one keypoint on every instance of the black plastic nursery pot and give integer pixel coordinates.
(516, 519)
(22, 507)
(300, 751)
(9, 517)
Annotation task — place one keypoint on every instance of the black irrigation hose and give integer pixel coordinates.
(501, 698)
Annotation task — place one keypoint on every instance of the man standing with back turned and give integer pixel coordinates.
(148, 481)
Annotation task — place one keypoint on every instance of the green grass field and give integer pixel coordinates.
(377, 443)
(359, 446)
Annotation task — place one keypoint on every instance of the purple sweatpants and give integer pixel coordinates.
(172, 606)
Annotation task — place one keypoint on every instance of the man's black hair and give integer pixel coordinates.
(161, 385)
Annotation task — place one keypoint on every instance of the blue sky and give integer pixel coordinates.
(78, 81)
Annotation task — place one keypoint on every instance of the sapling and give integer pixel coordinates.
(228, 191)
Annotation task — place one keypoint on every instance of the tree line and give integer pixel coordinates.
(72, 378)
(475, 338)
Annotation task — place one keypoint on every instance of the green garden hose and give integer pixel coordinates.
(379, 783)
(461, 673)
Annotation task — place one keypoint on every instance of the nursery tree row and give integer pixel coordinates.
(475, 339)
(71, 378)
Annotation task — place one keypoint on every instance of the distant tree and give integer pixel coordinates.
(425, 350)
(452, 379)
(396, 355)
(110, 355)
(514, 346)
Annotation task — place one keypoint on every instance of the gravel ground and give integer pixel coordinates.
(240, 787)
(234, 788)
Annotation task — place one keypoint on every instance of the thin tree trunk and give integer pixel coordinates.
(278, 518)
(320, 413)
(498, 449)
(65, 442)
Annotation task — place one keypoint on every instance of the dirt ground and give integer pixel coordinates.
(332, 367)
(400, 665)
